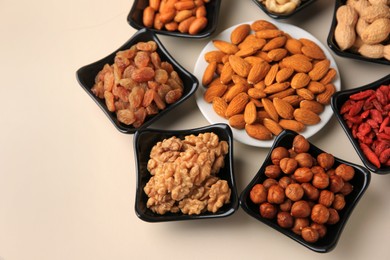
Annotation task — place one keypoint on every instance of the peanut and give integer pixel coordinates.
(345, 34)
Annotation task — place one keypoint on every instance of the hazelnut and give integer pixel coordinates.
(320, 180)
(333, 217)
(311, 192)
(275, 194)
(288, 165)
(336, 183)
(331, 172)
(304, 160)
(285, 220)
(325, 160)
(285, 181)
(300, 144)
(269, 182)
(278, 154)
(258, 194)
(345, 171)
(319, 214)
(299, 224)
(300, 209)
(294, 192)
(346, 189)
(310, 235)
(326, 198)
(292, 153)
(268, 210)
(286, 205)
(272, 171)
(317, 169)
(303, 174)
(338, 202)
(321, 229)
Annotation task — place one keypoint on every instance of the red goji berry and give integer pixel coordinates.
(365, 114)
(387, 130)
(381, 97)
(346, 106)
(383, 136)
(377, 105)
(364, 129)
(362, 95)
(384, 123)
(356, 108)
(376, 115)
(384, 156)
(371, 156)
(374, 124)
(380, 146)
(385, 89)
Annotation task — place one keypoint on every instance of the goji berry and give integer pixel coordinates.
(346, 106)
(383, 136)
(362, 95)
(365, 114)
(371, 156)
(376, 115)
(356, 108)
(384, 156)
(372, 123)
(364, 129)
(382, 98)
(384, 123)
(380, 146)
(377, 105)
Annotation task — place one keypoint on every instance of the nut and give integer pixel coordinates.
(269, 182)
(294, 192)
(326, 198)
(319, 214)
(278, 154)
(310, 234)
(285, 220)
(336, 183)
(311, 192)
(299, 224)
(288, 165)
(346, 189)
(276, 194)
(300, 144)
(320, 180)
(272, 171)
(304, 160)
(285, 181)
(286, 206)
(321, 229)
(258, 194)
(325, 160)
(303, 174)
(346, 172)
(333, 217)
(268, 210)
(300, 209)
(339, 202)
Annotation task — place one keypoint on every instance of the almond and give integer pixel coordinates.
(253, 60)
(258, 131)
(311, 49)
(282, 94)
(325, 97)
(257, 102)
(216, 90)
(214, 56)
(276, 87)
(261, 115)
(306, 116)
(312, 106)
(277, 54)
(238, 79)
(225, 47)
(240, 33)
(300, 80)
(256, 93)
(319, 70)
(252, 41)
(237, 105)
(272, 126)
(305, 93)
(244, 52)
(316, 87)
(239, 65)
(293, 46)
(250, 113)
(292, 125)
(258, 72)
(220, 106)
(298, 62)
(294, 100)
(270, 109)
(209, 72)
(330, 75)
(234, 91)
(268, 33)
(237, 121)
(285, 110)
(274, 43)
(262, 25)
(283, 74)
(271, 75)
(226, 73)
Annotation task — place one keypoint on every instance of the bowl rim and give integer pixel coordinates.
(346, 54)
(234, 198)
(335, 104)
(347, 213)
(283, 16)
(203, 34)
(81, 78)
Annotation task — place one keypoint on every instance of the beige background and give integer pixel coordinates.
(67, 176)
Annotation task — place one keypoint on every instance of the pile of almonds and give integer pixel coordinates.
(303, 193)
(363, 26)
(185, 16)
(267, 81)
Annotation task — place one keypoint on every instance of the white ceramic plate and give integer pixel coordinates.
(241, 135)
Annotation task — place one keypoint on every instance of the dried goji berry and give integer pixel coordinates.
(346, 106)
(384, 156)
(365, 114)
(362, 95)
(374, 124)
(384, 123)
(353, 119)
(376, 115)
(371, 156)
(356, 108)
(383, 136)
(364, 129)
(382, 98)
(380, 146)
(377, 105)
(387, 130)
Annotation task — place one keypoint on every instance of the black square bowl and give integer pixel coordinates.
(347, 53)
(135, 16)
(337, 101)
(145, 139)
(360, 183)
(86, 78)
(304, 3)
